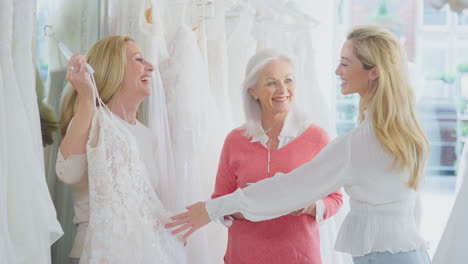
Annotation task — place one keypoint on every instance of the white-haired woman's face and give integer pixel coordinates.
(275, 87)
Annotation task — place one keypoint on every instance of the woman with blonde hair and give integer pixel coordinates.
(112, 162)
(380, 163)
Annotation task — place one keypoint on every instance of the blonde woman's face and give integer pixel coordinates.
(137, 76)
(354, 78)
(275, 87)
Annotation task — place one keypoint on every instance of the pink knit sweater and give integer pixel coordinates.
(284, 240)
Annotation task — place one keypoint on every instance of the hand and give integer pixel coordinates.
(310, 210)
(192, 220)
(79, 77)
(298, 212)
(238, 216)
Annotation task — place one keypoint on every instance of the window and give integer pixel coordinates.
(462, 19)
(433, 17)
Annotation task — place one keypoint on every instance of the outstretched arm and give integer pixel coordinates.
(278, 195)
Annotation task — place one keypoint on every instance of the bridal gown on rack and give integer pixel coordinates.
(28, 224)
(126, 213)
(180, 183)
(452, 245)
(240, 47)
(127, 218)
(217, 62)
(192, 118)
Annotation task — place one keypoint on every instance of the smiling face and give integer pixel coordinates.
(275, 87)
(354, 77)
(137, 76)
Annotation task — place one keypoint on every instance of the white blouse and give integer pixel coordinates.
(383, 207)
(74, 170)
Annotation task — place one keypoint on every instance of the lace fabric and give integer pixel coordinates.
(126, 216)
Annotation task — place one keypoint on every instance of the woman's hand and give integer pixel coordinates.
(79, 77)
(238, 216)
(192, 220)
(298, 212)
(310, 210)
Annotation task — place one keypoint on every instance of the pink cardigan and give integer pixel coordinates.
(287, 239)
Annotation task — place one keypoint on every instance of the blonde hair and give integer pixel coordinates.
(108, 59)
(391, 102)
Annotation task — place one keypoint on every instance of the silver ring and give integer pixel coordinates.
(71, 68)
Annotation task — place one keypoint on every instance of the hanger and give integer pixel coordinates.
(149, 13)
(237, 7)
(202, 9)
(49, 32)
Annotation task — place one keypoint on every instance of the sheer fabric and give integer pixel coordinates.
(28, 224)
(126, 216)
(452, 245)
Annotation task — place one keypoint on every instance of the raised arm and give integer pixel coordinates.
(74, 141)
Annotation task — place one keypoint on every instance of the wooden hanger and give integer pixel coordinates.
(149, 13)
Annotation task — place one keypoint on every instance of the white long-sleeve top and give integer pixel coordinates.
(382, 214)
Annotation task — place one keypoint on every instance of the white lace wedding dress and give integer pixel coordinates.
(195, 136)
(127, 218)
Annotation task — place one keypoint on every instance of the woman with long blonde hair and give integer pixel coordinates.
(111, 159)
(380, 163)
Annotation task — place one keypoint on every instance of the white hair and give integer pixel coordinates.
(252, 110)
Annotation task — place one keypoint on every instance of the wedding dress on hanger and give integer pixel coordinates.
(182, 93)
(28, 224)
(240, 47)
(192, 119)
(452, 245)
(218, 71)
(127, 218)
(217, 61)
(6, 246)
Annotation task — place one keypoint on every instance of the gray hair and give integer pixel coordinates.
(252, 110)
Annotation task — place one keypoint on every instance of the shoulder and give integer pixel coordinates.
(236, 135)
(317, 133)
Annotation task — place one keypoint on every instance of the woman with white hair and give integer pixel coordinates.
(380, 163)
(275, 138)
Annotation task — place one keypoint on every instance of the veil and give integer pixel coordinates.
(158, 122)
